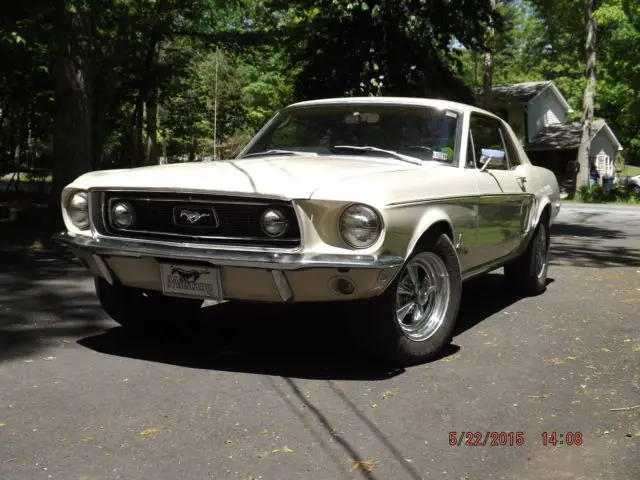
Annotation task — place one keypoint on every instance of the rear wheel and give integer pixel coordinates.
(636, 190)
(413, 319)
(528, 273)
(139, 309)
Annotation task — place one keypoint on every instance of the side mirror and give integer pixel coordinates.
(488, 156)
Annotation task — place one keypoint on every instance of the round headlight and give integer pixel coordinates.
(78, 210)
(122, 214)
(360, 226)
(274, 223)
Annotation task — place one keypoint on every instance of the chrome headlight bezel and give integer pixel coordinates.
(273, 217)
(78, 209)
(363, 217)
(113, 214)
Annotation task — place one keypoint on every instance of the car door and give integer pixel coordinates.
(503, 199)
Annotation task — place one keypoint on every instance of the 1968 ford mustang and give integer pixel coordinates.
(387, 203)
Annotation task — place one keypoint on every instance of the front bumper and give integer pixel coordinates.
(245, 275)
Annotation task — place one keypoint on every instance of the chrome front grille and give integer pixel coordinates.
(223, 220)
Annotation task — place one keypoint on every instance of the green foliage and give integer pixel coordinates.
(597, 194)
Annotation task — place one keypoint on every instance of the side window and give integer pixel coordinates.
(512, 150)
(488, 143)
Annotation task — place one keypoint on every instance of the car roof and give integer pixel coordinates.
(410, 101)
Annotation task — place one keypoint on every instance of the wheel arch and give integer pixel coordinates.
(432, 223)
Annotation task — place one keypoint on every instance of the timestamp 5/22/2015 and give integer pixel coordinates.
(561, 438)
(486, 439)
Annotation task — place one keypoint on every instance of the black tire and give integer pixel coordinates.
(142, 310)
(375, 324)
(525, 275)
(636, 190)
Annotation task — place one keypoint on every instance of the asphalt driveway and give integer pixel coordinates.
(249, 394)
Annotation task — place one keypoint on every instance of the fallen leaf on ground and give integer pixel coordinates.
(374, 405)
(37, 245)
(28, 361)
(408, 460)
(554, 361)
(627, 340)
(636, 347)
(365, 465)
(263, 432)
(388, 394)
(286, 449)
(3, 424)
(449, 359)
(48, 359)
(149, 431)
(229, 442)
(263, 454)
(571, 358)
(606, 350)
(88, 438)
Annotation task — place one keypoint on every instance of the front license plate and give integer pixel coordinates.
(190, 281)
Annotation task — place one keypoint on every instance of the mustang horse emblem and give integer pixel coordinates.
(187, 275)
(193, 217)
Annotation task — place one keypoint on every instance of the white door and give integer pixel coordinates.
(504, 200)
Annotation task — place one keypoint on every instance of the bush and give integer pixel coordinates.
(596, 194)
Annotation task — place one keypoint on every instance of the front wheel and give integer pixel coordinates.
(142, 310)
(413, 319)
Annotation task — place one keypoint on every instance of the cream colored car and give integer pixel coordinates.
(385, 204)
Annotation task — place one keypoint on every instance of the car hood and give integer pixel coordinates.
(284, 176)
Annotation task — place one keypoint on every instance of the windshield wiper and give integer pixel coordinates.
(279, 152)
(368, 148)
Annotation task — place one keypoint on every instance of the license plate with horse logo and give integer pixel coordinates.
(190, 281)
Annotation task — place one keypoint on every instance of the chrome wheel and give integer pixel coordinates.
(540, 250)
(422, 296)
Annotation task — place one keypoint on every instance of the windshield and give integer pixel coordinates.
(409, 133)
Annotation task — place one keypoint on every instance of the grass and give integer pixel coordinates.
(631, 170)
(25, 178)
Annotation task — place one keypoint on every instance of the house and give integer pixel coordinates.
(537, 112)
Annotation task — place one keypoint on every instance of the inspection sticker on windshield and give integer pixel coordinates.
(439, 155)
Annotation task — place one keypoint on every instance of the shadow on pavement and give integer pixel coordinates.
(295, 342)
(584, 245)
(483, 297)
(43, 295)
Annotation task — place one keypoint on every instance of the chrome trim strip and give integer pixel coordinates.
(110, 246)
(408, 203)
(282, 285)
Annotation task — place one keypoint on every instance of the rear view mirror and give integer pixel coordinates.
(495, 157)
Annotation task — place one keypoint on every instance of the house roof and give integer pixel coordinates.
(566, 136)
(524, 93)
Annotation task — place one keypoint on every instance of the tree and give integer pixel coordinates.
(584, 149)
(488, 62)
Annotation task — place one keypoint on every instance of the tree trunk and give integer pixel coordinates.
(72, 119)
(137, 136)
(151, 153)
(584, 151)
(488, 63)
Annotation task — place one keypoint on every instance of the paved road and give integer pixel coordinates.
(285, 398)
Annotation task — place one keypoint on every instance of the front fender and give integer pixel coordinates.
(407, 224)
